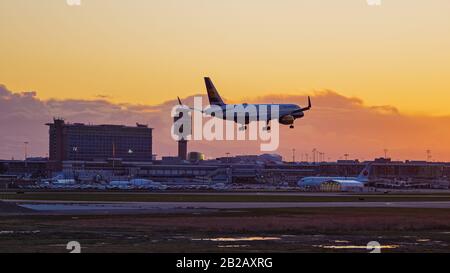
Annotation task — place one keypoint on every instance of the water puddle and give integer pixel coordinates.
(355, 246)
(5, 232)
(237, 239)
(232, 246)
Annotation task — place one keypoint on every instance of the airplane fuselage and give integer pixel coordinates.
(245, 113)
(319, 179)
(363, 177)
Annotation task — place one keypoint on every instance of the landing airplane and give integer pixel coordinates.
(288, 113)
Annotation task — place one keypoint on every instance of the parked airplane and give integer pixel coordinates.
(363, 177)
(288, 113)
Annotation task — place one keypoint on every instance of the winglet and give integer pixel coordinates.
(309, 105)
(179, 101)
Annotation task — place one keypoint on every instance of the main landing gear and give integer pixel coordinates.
(243, 128)
(267, 128)
(292, 126)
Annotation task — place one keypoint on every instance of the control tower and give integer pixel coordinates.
(182, 143)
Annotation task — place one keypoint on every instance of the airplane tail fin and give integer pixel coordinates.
(213, 95)
(365, 173)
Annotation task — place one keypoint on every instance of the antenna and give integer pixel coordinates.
(429, 156)
(346, 156)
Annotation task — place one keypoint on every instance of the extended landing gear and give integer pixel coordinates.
(243, 128)
(292, 126)
(267, 128)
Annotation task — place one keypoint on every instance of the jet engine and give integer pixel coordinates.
(286, 120)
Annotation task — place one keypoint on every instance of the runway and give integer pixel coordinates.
(149, 207)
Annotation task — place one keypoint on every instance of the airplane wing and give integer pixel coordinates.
(190, 108)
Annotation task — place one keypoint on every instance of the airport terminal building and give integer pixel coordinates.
(91, 153)
(81, 142)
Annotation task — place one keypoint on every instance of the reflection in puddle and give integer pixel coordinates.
(237, 239)
(356, 247)
(232, 246)
(2, 232)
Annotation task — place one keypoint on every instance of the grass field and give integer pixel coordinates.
(250, 230)
(242, 230)
(211, 197)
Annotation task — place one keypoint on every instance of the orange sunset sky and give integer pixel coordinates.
(379, 75)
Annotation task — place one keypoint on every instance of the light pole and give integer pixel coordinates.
(74, 164)
(26, 149)
(26, 154)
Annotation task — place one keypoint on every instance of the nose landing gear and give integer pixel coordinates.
(243, 128)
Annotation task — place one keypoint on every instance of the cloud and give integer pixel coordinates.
(336, 125)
